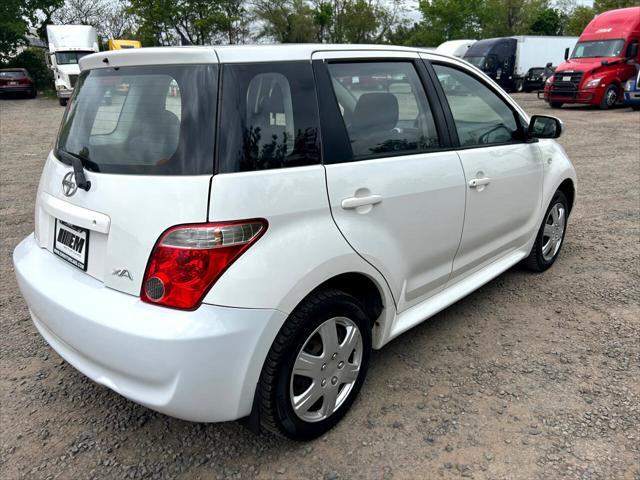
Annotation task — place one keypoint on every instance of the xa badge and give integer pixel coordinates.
(69, 186)
(122, 273)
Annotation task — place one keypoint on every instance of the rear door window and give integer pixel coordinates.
(155, 120)
(270, 117)
(384, 107)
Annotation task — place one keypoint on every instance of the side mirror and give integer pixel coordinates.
(566, 54)
(543, 126)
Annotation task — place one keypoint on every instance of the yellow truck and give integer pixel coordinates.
(122, 44)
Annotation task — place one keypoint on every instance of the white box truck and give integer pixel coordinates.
(67, 45)
(508, 59)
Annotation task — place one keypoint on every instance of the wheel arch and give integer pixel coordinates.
(568, 188)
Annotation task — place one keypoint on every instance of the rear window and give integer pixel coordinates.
(154, 120)
(12, 74)
(270, 117)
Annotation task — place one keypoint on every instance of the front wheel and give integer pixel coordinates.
(519, 86)
(315, 367)
(556, 104)
(548, 242)
(63, 101)
(610, 97)
(635, 107)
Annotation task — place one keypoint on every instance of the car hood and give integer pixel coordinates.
(582, 64)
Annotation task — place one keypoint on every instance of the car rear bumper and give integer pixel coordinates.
(201, 365)
(16, 89)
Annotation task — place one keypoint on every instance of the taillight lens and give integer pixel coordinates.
(188, 259)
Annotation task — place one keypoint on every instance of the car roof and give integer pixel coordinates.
(226, 54)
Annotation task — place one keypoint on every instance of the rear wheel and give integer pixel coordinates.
(315, 367)
(63, 101)
(546, 247)
(556, 104)
(519, 85)
(33, 93)
(635, 107)
(610, 97)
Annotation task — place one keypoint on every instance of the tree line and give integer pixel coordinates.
(202, 22)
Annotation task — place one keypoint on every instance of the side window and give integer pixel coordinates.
(481, 116)
(269, 117)
(384, 107)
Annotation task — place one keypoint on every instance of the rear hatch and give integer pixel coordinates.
(145, 137)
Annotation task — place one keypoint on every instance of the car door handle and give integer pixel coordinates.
(355, 202)
(479, 182)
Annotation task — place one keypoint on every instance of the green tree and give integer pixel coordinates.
(286, 21)
(191, 22)
(600, 6)
(16, 17)
(444, 20)
(547, 22)
(578, 20)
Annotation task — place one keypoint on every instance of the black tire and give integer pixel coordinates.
(610, 97)
(635, 107)
(519, 86)
(276, 412)
(527, 90)
(33, 93)
(63, 101)
(556, 104)
(536, 261)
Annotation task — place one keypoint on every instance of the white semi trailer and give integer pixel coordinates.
(67, 45)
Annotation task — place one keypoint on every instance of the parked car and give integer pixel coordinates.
(536, 78)
(17, 81)
(604, 58)
(632, 92)
(247, 267)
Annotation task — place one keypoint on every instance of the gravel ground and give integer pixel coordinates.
(532, 376)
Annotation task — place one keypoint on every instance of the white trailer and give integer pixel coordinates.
(67, 45)
(537, 51)
(455, 48)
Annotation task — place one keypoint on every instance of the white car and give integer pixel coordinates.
(232, 233)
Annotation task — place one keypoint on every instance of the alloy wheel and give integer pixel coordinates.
(326, 369)
(553, 232)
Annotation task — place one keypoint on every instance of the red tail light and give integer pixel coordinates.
(188, 259)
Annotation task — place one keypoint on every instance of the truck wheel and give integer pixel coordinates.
(610, 97)
(635, 107)
(63, 102)
(519, 86)
(556, 104)
(33, 93)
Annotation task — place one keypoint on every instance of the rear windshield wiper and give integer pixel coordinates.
(78, 168)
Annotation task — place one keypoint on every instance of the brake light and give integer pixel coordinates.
(188, 259)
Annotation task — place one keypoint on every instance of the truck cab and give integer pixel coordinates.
(67, 45)
(605, 57)
(495, 57)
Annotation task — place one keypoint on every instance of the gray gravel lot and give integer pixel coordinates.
(532, 376)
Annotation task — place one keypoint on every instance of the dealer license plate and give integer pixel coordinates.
(72, 244)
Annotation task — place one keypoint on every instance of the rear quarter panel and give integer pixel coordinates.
(301, 249)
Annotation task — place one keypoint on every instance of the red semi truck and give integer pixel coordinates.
(605, 57)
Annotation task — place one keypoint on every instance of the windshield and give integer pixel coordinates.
(12, 74)
(476, 61)
(70, 58)
(598, 48)
(154, 120)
